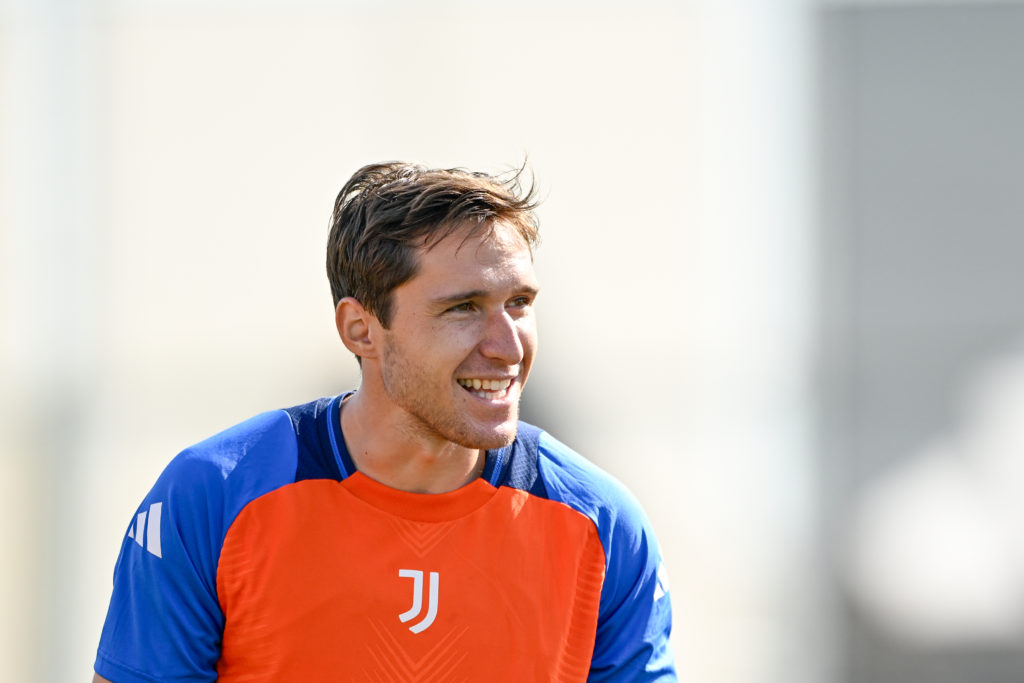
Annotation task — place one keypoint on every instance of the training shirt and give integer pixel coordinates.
(262, 554)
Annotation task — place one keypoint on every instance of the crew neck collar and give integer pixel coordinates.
(420, 507)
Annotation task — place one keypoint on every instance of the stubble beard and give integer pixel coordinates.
(409, 387)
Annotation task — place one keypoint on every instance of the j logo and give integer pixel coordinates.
(417, 599)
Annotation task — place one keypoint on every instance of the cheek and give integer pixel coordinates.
(449, 345)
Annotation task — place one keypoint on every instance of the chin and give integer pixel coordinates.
(488, 439)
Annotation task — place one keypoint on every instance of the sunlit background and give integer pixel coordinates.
(782, 259)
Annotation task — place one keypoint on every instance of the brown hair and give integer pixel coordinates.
(387, 211)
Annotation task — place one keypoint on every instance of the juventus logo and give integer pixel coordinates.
(417, 599)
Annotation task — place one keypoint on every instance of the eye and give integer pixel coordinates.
(464, 307)
(520, 301)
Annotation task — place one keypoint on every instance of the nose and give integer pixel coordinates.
(502, 340)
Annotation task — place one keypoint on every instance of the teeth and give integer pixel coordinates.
(487, 388)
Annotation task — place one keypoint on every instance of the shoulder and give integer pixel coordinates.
(254, 443)
(572, 479)
(635, 614)
(214, 479)
(629, 542)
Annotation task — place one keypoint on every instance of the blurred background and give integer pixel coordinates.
(781, 265)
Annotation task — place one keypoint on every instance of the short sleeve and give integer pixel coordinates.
(164, 620)
(635, 614)
(635, 617)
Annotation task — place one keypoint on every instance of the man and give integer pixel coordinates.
(414, 529)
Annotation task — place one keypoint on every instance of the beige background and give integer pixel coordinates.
(168, 170)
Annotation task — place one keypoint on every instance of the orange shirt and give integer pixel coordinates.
(331, 555)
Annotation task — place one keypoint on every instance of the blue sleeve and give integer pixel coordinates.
(164, 622)
(635, 616)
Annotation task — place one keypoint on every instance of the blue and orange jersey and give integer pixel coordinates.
(263, 554)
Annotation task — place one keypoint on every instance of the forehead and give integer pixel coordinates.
(494, 255)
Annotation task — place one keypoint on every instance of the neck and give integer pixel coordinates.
(402, 457)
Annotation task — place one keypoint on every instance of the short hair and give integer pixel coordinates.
(387, 211)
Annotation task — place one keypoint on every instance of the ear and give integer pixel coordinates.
(354, 324)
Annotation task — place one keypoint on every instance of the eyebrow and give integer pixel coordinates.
(477, 294)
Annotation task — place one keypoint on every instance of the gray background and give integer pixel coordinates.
(922, 158)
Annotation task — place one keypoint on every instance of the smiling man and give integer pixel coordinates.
(413, 529)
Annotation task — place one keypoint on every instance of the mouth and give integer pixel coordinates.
(489, 389)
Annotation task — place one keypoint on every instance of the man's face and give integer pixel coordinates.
(462, 338)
